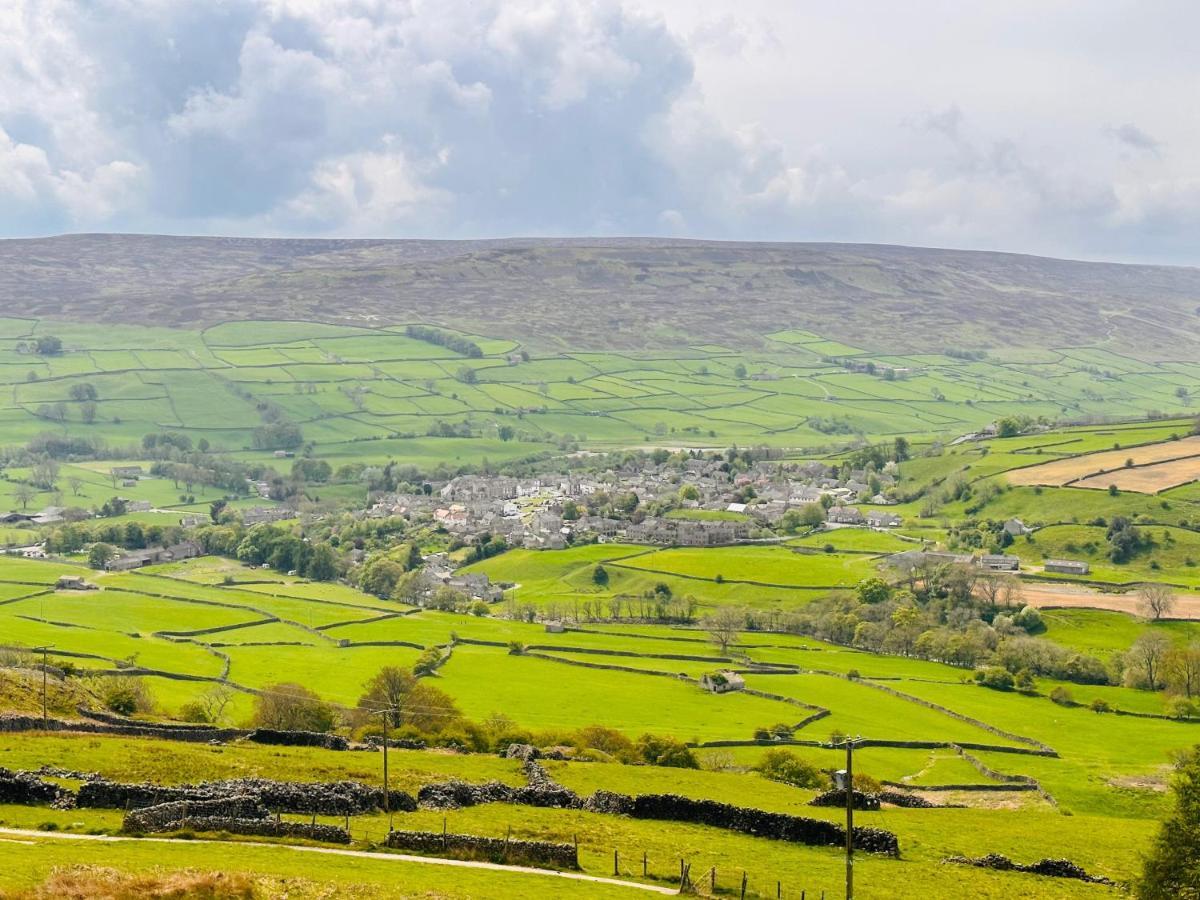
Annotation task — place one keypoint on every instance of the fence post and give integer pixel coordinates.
(743, 886)
(645, 863)
(444, 842)
(712, 875)
(616, 869)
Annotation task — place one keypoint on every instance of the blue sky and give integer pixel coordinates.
(1053, 127)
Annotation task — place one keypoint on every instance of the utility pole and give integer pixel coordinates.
(44, 651)
(387, 797)
(850, 818)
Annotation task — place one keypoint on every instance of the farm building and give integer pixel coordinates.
(555, 628)
(73, 583)
(877, 518)
(999, 562)
(722, 682)
(1067, 566)
(1017, 528)
(844, 515)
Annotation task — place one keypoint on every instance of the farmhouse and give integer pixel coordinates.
(152, 555)
(998, 562)
(844, 515)
(1017, 528)
(722, 682)
(73, 583)
(878, 518)
(1067, 566)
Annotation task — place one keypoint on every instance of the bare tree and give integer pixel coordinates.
(215, 700)
(1156, 600)
(24, 493)
(1147, 655)
(75, 483)
(998, 588)
(723, 627)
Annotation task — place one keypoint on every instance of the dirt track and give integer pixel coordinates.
(1040, 594)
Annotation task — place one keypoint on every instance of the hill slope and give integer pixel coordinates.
(620, 293)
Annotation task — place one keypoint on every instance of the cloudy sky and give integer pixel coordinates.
(1060, 127)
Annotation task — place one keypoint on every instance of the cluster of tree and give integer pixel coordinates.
(454, 342)
(277, 436)
(450, 429)
(875, 456)
(1125, 540)
(485, 548)
(392, 575)
(62, 446)
(47, 345)
(130, 535)
(283, 550)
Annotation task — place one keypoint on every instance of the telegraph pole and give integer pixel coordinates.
(850, 742)
(387, 797)
(44, 651)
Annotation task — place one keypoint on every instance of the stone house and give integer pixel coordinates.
(722, 682)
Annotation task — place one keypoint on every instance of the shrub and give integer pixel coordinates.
(787, 767)
(1062, 696)
(665, 751)
(125, 694)
(994, 677)
(1181, 708)
(1100, 705)
(1025, 683)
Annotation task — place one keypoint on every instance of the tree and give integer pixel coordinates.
(24, 493)
(83, 390)
(322, 564)
(100, 554)
(1172, 868)
(1181, 669)
(998, 587)
(723, 627)
(48, 345)
(739, 371)
(900, 449)
(1155, 600)
(1146, 656)
(379, 576)
(505, 432)
(75, 483)
(600, 576)
(292, 707)
(87, 412)
(874, 590)
(408, 700)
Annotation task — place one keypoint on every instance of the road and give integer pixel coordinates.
(26, 836)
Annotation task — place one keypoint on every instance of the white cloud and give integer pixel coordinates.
(760, 120)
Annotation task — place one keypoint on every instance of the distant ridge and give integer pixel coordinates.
(612, 293)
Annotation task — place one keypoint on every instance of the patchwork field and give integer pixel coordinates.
(1148, 479)
(363, 393)
(1111, 466)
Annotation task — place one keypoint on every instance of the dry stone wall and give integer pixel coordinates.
(535, 853)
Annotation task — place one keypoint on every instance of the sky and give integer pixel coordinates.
(1055, 127)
